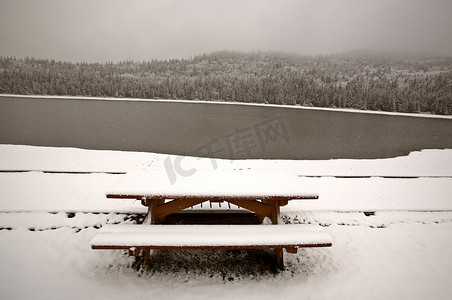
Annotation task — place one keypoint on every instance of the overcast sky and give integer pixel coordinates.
(114, 30)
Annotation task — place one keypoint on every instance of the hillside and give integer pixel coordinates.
(353, 80)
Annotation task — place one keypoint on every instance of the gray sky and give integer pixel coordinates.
(113, 30)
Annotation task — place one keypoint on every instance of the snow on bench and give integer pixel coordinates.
(136, 238)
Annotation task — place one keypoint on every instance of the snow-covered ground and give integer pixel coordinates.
(402, 251)
(426, 163)
(369, 185)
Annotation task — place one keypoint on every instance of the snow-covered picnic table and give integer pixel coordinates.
(260, 192)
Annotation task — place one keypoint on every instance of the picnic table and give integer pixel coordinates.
(260, 192)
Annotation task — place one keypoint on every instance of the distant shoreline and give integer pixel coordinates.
(356, 81)
(347, 110)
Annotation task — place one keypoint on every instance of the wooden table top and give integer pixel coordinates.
(214, 185)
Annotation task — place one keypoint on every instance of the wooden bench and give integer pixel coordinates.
(210, 237)
(138, 238)
(259, 192)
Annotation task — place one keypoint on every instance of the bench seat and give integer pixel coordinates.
(135, 237)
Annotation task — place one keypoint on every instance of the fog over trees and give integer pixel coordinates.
(358, 80)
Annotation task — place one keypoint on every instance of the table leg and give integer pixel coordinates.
(153, 209)
(152, 212)
(278, 251)
(274, 219)
(279, 258)
(147, 253)
(147, 221)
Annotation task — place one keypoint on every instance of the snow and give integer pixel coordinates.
(426, 163)
(210, 235)
(402, 251)
(73, 160)
(376, 193)
(408, 260)
(37, 191)
(238, 184)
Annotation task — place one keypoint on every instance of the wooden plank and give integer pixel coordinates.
(163, 209)
(213, 198)
(255, 206)
(119, 196)
(134, 251)
(283, 202)
(292, 250)
(231, 247)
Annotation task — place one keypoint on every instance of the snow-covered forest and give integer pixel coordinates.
(353, 80)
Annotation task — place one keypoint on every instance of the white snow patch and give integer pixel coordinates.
(36, 191)
(31, 158)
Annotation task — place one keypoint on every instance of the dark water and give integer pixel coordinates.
(216, 130)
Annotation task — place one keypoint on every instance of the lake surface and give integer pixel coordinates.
(216, 130)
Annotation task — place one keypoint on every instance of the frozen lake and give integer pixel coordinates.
(216, 129)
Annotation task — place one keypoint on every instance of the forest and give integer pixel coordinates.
(358, 80)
